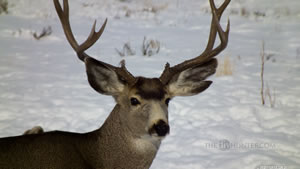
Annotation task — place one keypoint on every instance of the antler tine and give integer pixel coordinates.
(64, 18)
(92, 38)
(213, 31)
(63, 14)
(209, 52)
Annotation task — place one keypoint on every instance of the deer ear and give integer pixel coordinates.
(192, 81)
(103, 79)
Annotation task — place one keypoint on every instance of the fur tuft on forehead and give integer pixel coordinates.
(150, 88)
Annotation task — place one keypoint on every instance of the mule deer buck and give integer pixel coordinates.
(131, 135)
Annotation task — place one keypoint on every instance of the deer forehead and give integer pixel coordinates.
(149, 88)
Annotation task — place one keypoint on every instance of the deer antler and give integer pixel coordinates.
(93, 37)
(209, 52)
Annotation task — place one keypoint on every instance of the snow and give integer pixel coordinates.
(43, 83)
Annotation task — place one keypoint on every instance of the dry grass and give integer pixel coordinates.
(126, 51)
(154, 7)
(271, 95)
(266, 93)
(262, 55)
(150, 47)
(225, 67)
(3, 6)
(47, 31)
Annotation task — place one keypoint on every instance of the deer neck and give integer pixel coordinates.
(118, 147)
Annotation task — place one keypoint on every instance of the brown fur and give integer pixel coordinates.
(106, 148)
(150, 88)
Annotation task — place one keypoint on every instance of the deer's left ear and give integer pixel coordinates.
(192, 81)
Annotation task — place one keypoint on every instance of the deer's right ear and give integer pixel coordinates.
(103, 79)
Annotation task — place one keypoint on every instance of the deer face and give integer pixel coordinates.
(147, 101)
(144, 103)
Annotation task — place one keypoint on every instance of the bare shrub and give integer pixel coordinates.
(150, 47)
(225, 68)
(271, 95)
(126, 50)
(45, 32)
(270, 56)
(154, 8)
(245, 12)
(128, 13)
(86, 4)
(259, 14)
(234, 11)
(298, 52)
(266, 93)
(125, 1)
(3, 6)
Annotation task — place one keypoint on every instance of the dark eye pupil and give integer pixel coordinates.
(167, 101)
(134, 101)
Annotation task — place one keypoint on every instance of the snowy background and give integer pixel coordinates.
(226, 127)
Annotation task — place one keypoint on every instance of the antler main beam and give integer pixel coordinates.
(90, 41)
(209, 52)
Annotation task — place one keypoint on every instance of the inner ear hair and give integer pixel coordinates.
(201, 72)
(102, 78)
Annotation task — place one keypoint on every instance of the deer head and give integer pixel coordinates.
(143, 102)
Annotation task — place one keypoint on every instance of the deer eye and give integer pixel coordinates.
(134, 101)
(167, 101)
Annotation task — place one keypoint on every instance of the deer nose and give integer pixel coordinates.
(161, 128)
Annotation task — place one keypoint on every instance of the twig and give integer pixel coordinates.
(272, 97)
(262, 54)
(126, 51)
(45, 32)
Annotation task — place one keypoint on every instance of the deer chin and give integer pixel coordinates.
(155, 135)
(148, 140)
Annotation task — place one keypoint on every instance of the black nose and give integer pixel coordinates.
(161, 128)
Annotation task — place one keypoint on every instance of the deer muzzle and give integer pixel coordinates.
(161, 129)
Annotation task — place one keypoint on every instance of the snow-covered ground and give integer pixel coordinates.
(226, 127)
